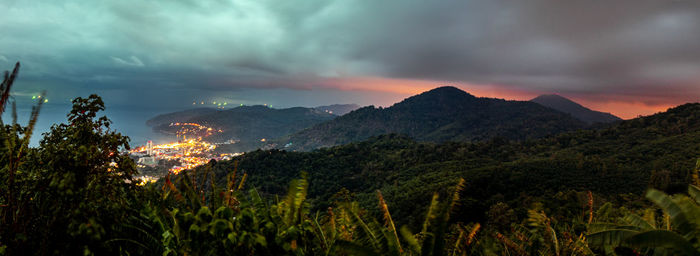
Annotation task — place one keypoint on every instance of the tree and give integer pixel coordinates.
(72, 194)
(87, 179)
(14, 143)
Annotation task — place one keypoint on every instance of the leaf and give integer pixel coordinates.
(637, 221)
(694, 192)
(614, 237)
(668, 205)
(663, 239)
(410, 239)
(431, 213)
(598, 227)
(388, 221)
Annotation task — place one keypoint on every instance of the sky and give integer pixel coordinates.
(629, 58)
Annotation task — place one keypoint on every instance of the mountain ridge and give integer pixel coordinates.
(338, 109)
(577, 110)
(441, 114)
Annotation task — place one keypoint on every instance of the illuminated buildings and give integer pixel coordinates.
(189, 153)
(149, 148)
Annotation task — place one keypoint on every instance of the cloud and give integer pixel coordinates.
(133, 61)
(631, 50)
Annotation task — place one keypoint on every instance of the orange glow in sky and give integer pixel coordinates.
(405, 88)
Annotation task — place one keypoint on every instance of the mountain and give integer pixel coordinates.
(441, 114)
(338, 109)
(247, 125)
(179, 116)
(576, 110)
(614, 162)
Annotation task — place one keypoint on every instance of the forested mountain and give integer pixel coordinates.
(179, 116)
(247, 125)
(576, 110)
(442, 114)
(628, 157)
(338, 109)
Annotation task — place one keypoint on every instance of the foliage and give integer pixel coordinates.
(70, 195)
(676, 232)
(616, 163)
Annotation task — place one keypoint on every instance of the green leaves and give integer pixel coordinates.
(662, 239)
(679, 236)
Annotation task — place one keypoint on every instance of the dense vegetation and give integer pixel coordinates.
(573, 194)
(626, 158)
(442, 114)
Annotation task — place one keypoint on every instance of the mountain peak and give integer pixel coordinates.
(576, 110)
(441, 96)
(442, 114)
(447, 90)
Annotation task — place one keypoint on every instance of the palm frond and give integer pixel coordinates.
(662, 239)
(694, 192)
(676, 214)
(6, 86)
(413, 244)
(639, 222)
(388, 221)
(430, 216)
(612, 237)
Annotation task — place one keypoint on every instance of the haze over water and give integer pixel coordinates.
(128, 120)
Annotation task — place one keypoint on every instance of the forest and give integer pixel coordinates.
(439, 115)
(626, 189)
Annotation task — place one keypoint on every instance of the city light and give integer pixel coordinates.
(189, 153)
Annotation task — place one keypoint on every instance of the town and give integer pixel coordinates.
(189, 151)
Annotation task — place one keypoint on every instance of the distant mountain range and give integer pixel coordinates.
(574, 109)
(441, 114)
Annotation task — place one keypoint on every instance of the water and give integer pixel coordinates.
(128, 120)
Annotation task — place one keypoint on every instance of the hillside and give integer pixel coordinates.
(338, 109)
(574, 109)
(247, 125)
(628, 157)
(442, 114)
(179, 116)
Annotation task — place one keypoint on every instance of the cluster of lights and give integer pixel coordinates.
(143, 180)
(220, 105)
(195, 129)
(190, 153)
(34, 97)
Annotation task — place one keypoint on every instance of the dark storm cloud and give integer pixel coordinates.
(638, 48)
(629, 50)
